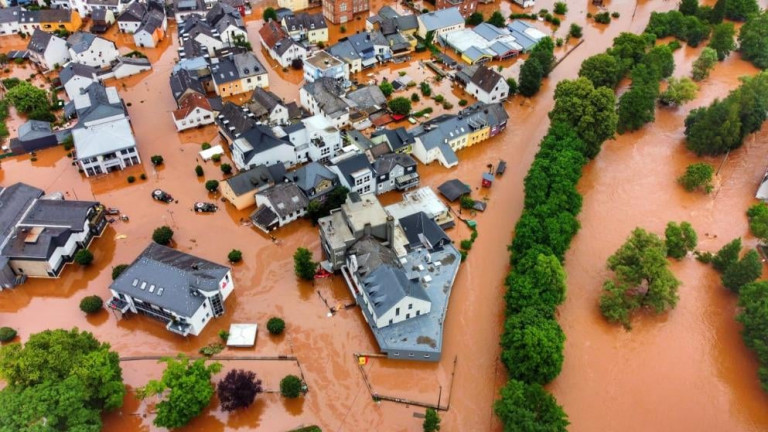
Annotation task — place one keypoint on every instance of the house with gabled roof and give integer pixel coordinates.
(183, 291)
(47, 50)
(306, 27)
(280, 46)
(232, 121)
(278, 206)
(91, 50)
(259, 146)
(324, 96)
(315, 180)
(9, 20)
(103, 19)
(228, 22)
(268, 107)
(487, 85)
(194, 111)
(76, 77)
(395, 171)
(356, 174)
(49, 20)
(195, 28)
(238, 73)
(130, 20)
(240, 190)
(440, 22)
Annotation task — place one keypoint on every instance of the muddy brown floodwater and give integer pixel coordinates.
(687, 370)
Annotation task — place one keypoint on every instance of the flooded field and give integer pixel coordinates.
(687, 370)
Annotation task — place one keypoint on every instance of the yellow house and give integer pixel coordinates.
(240, 190)
(478, 135)
(238, 74)
(57, 19)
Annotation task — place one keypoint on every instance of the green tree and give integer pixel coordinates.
(629, 49)
(642, 279)
(235, 256)
(291, 386)
(697, 176)
(727, 255)
(212, 185)
(660, 61)
(739, 10)
(400, 105)
(561, 8)
(226, 168)
(185, 389)
(475, 19)
(28, 98)
(722, 40)
(532, 347)
(689, 7)
(118, 270)
(753, 40)
(431, 421)
(528, 407)
(539, 284)
(713, 130)
(704, 64)
(543, 51)
(512, 86)
(758, 220)
(695, 31)
(575, 31)
(718, 12)
(91, 304)
(275, 326)
(62, 392)
(497, 19)
(753, 316)
(531, 74)
(603, 70)
(679, 91)
(162, 235)
(199, 171)
(270, 14)
(637, 107)
(7, 334)
(386, 88)
(679, 239)
(303, 265)
(83, 257)
(589, 110)
(156, 160)
(746, 270)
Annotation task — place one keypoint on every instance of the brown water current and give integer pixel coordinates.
(687, 370)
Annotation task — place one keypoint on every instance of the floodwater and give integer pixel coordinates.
(691, 374)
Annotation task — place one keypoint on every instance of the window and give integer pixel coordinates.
(397, 311)
(407, 316)
(410, 306)
(410, 354)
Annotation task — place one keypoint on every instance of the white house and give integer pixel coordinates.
(278, 206)
(488, 86)
(525, 3)
(323, 96)
(91, 50)
(267, 106)
(260, 146)
(441, 22)
(47, 50)
(183, 291)
(315, 139)
(321, 64)
(9, 20)
(228, 23)
(194, 111)
(280, 45)
(76, 77)
(130, 20)
(356, 174)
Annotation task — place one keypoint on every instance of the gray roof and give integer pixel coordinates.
(260, 138)
(351, 165)
(263, 102)
(14, 200)
(72, 70)
(327, 92)
(304, 21)
(10, 14)
(99, 15)
(39, 41)
(34, 129)
(441, 19)
(256, 178)
(368, 98)
(397, 138)
(355, 137)
(286, 198)
(100, 106)
(485, 78)
(236, 67)
(222, 15)
(388, 12)
(181, 81)
(176, 279)
(133, 13)
(310, 175)
(81, 41)
(519, 30)
(453, 189)
(151, 22)
(264, 218)
(420, 230)
(384, 164)
(60, 213)
(233, 120)
(344, 50)
(494, 114)
(46, 15)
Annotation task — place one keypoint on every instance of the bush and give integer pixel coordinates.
(602, 18)
(575, 31)
(463, 102)
(131, 179)
(226, 168)
(84, 257)
(475, 19)
(212, 185)
(704, 64)
(118, 270)
(91, 304)
(439, 98)
(561, 8)
(303, 265)
(275, 326)
(466, 244)
(223, 335)
(235, 256)
(467, 202)
(7, 334)
(400, 106)
(216, 158)
(143, 176)
(415, 97)
(615, 14)
(512, 86)
(162, 235)
(386, 88)
(156, 160)
(206, 146)
(426, 90)
(269, 14)
(290, 386)
(697, 176)
(199, 171)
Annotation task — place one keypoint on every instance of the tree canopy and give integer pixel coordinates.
(739, 10)
(541, 284)
(727, 255)
(528, 407)
(753, 40)
(497, 19)
(475, 18)
(743, 271)
(704, 64)
(400, 105)
(303, 264)
(531, 74)
(753, 301)
(758, 221)
(431, 421)
(679, 239)
(722, 40)
(238, 389)
(532, 347)
(697, 176)
(603, 70)
(162, 235)
(64, 392)
(679, 91)
(185, 389)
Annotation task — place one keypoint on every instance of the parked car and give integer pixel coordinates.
(161, 195)
(205, 207)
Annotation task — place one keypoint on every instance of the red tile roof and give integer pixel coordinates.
(188, 103)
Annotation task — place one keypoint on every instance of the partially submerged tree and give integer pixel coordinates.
(303, 265)
(697, 176)
(162, 235)
(746, 270)
(727, 255)
(679, 91)
(528, 407)
(238, 389)
(431, 421)
(291, 386)
(680, 239)
(753, 40)
(532, 347)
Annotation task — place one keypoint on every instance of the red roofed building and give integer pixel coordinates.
(194, 110)
(341, 11)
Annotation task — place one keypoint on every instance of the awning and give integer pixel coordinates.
(369, 62)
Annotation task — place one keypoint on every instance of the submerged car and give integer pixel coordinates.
(205, 207)
(161, 195)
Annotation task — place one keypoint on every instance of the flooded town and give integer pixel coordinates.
(304, 215)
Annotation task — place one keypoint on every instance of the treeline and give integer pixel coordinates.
(538, 66)
(723, 125)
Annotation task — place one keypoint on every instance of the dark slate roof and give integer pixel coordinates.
(260, 139)
(385, 163)
(388, 12)
(344, 50)
(9, 15)
(351, 165)
(486, 78)
(286, 198)
(72, 70)
(60, 213)
(222, 15)
(397, 138)
(358, 139)
(133, 13)
(100, 105)
(152, 21)
(368, 98)
(183, 80)
(81, 41)
(453, 189)
(283, 12)
(310, 175)
(233, 121)
(494, 113)
(14, 201)
(45, 15)
(420, 230)
(233, 68)
(34, 129)
(39, 41)
(327, 92)
(99, 15)
(178, 279)
(256, 178)
(304, 21)
(263, 102)
(265, 218)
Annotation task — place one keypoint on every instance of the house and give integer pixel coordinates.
(344, 51)
(529, 3)
(307, 27)
(488, 86)
(103, 137)
(483, 42)
(389, 22)
(152, 28)
(91, 50)
(367, 100)
(238, 73)
(185, 8)
(241, 6)
(314, 138)
(294, 5)
(181, 290)
(422, 231)
(103, 19)
(33, 135)
(454, 189)
(371, 47)
(183, 82)
(465, 7)
(494, 115)
(194, 111)
(440, 22)
(39, 235)
(315, 180)
(356, 174)
(49, 20)
(438, 139)
(240, 190)
(525, 34)
(321, 64)
(422, 200)
(233, 120)
(131, 18)
(398, 140)
(87, 7)
(278, 206)
(280, 46)
(342, 11)
(195, 28)
(127, 66)
(364, 145)
(47, 50)
(228, 23)
(395, 171)
(324, 96)
(9, 20)
(260, 146)
(76, 77)
(268, 107)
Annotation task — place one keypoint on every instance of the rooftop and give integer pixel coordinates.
(103, 138)
(256, 178)
(441, 19)
(286, 199)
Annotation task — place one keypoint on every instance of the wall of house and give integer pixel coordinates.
(209, 43)
(56, 54)
(124, 70)
(294, 52)
(386, 183)
(317, 35)
(294, 5)
(69, 248)
(477, 136)
(145, 39)
(97, 165)
(413, 355)
(279, 115)
(250, 83)
(421, 153)
(38, 269)
(240, 202)
(261, 199)
(281, 154)
(128, 26)
(197, 117)
(407, 308)
(100, 54)
(9, 28)
(498, 94)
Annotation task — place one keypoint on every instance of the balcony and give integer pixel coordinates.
(407, 181)
(178, 327)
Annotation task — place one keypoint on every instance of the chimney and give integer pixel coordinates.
(391, 232)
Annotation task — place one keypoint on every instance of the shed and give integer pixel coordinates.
(501, 168)
(242, 335)
(487, 180)
(453, 189)
(208, 154)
